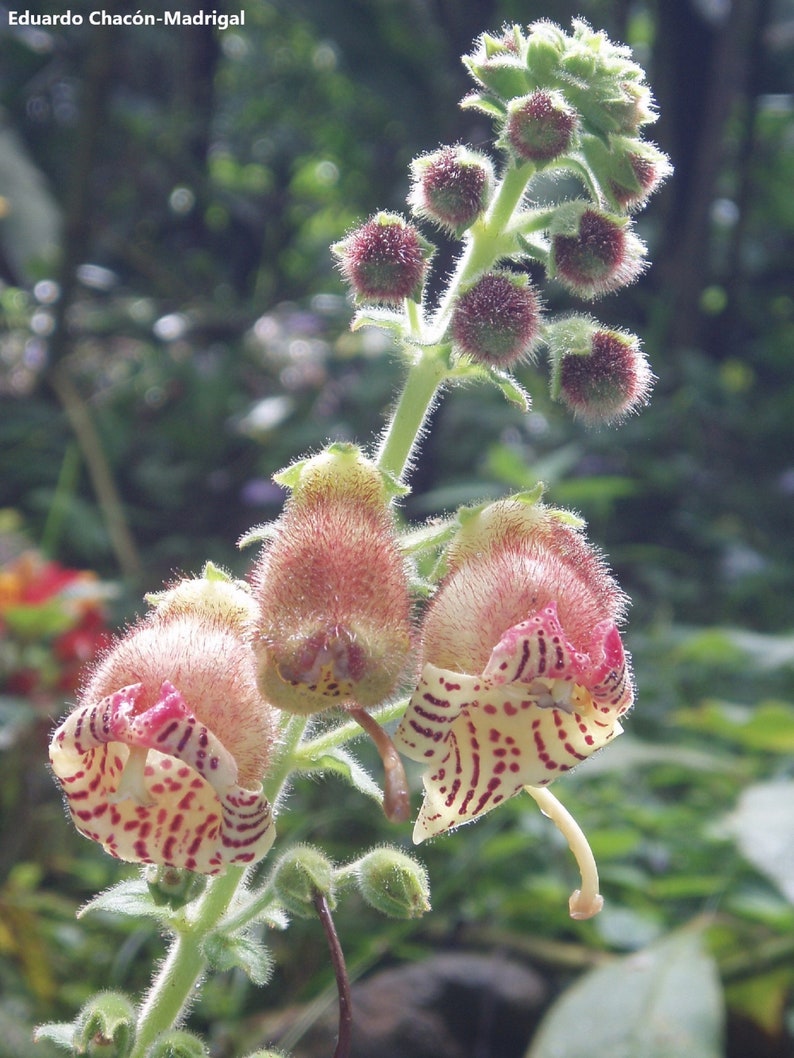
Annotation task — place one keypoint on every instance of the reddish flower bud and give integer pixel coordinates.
(525, 674)
(385, 260)
(628, 170)
(600, 374)
(334, 623)
(497, 320)
(451, 187)
(593, 252)
(541, 126)
(163, 757)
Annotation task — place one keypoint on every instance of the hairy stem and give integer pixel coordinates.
(184, 965)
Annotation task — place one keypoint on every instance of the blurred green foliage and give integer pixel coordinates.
(167, 204)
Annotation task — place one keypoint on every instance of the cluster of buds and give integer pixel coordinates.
(566, 101)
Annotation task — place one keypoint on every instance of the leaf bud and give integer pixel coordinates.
(105, 1026)
(385, 260)
(301, 873)
(540, 127)
(593, 252)
(177, 1043)
(600, 374)
(451, 187)
(394, 883)
(496, 321)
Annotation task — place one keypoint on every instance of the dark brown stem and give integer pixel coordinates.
(396, 799)
(342, 980)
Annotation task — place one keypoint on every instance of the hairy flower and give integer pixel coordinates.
(333, 624)
(162, 759)
(525, 674)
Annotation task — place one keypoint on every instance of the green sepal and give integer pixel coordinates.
(172, 887)
(131, 897)
(105, 1026)
(177, 1044)
(239, 952)
(485, 103)
(340, 762)
(338, 458)
(258, 534)
(61, 1033)
(508, 386)
(505, 74)
(386, 319)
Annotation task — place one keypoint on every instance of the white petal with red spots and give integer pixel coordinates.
(539, 708)
(157, 786)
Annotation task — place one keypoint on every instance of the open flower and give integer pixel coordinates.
(162, 759)
(525, 675)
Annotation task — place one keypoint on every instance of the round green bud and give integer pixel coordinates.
(394, 883)
(299, 876)
(177, 1044)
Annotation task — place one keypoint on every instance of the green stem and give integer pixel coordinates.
(184, 965)
(425, 377)
(486, 241)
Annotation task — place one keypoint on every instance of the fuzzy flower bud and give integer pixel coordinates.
(299, 876)
(497, 320)
(592, 252)
(525, 674)
(162, 759)
(451, 187)
(540, 127)
(105, 1025)
(628, 170)
(385, 260)
(393, 883)
(601, 375)
(334, 623)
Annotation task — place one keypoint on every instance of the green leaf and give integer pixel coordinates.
(243, 952)
(662, 1002)
(763, 827)
(132, 897)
